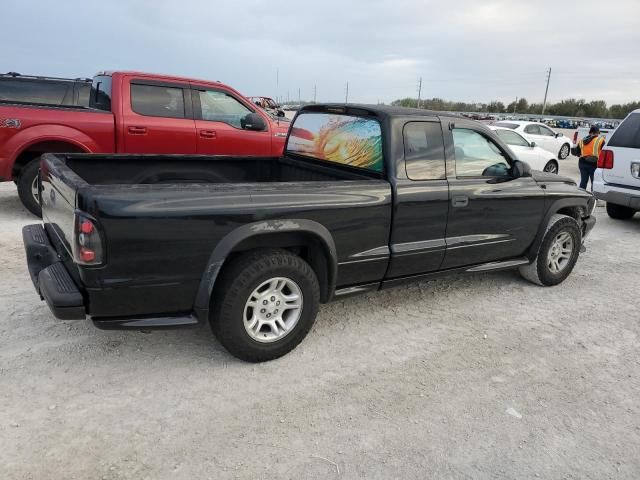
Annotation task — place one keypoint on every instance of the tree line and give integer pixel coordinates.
(569, 108)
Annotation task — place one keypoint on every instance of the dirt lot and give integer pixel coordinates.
(482, 376)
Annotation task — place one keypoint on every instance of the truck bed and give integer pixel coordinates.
(175, 169)
(162, 216)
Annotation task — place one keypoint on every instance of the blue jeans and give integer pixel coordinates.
(586, 173)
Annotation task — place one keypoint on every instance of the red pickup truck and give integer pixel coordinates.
(132, 112)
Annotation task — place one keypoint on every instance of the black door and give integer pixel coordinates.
(492, 215)
(421, 202)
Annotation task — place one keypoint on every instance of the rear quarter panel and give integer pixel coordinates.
(89, 130)
(159, 237)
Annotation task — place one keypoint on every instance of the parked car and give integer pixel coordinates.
(32, 90)
(132, 112)
(617, 179)
(544, 137)
(364, 198)
(269, 105)
(526, 151)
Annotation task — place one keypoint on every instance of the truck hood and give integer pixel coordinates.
(545, 177)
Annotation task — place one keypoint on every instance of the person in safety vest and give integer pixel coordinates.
(588, 149)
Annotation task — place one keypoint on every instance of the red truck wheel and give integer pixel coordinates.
(28, 187)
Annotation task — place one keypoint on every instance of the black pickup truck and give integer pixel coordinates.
(364, 198)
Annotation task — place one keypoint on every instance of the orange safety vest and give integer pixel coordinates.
(591, 149)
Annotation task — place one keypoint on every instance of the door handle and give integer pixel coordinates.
(137, 130)
(460, 201)
(208, 133)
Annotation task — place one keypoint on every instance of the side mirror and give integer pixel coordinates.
(532, 144)
(558, 135)
(253, 121)
(520, 169)
(281, 113)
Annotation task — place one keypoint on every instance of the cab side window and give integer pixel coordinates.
(217, 106)
(477, 155)
(157, 101)
(424, 151)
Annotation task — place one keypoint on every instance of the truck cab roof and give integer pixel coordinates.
(378, 110)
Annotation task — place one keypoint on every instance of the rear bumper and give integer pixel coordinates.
(50, 277)
(54, 284)
(626, 196)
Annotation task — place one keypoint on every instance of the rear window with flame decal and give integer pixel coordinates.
(344, 139)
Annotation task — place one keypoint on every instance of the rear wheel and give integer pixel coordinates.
(558, 252)
(266, 305)
(564, 151)
(551, 166)
(620, 212)
(28, 187)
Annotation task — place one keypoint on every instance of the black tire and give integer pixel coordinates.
(539, 271)
(238, 280)
(552, 167)
(28, 175)
(620, 212)
(564, 151)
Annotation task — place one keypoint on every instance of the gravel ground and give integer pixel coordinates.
(483, 376)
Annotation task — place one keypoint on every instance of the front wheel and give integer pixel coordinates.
(551, 166)
(620, 212)
(558, 252)
(28, 187)
(266, 304)
(564, 151)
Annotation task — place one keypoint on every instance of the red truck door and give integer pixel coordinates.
(218, 116)
(157, 118)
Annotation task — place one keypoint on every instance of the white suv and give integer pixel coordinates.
(617, 179)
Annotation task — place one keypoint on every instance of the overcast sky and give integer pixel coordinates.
(475, 50)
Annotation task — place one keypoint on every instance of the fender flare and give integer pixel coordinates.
(48, 133)
(552, 210)
(226, 245)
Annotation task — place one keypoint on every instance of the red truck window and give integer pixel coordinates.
(157, 101)
(219, 106)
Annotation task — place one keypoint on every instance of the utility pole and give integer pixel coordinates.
(299, 101)
(346, 95)
(314, 93)
(515, 104)
(544, 103)
(419, 91)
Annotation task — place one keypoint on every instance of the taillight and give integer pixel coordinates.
(605, 159)
(575, 137)
(87, 243)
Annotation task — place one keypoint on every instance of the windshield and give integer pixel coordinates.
(507, 125)
(344, 139)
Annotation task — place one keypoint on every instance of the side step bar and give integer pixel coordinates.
(138, 323)
(491, 266)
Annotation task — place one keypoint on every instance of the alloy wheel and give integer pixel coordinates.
(273, 309)
(560, 252)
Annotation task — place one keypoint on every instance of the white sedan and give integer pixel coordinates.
(541, 134)
(536, 157)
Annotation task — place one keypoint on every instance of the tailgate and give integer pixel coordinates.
(58, 189)
(621, 173)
